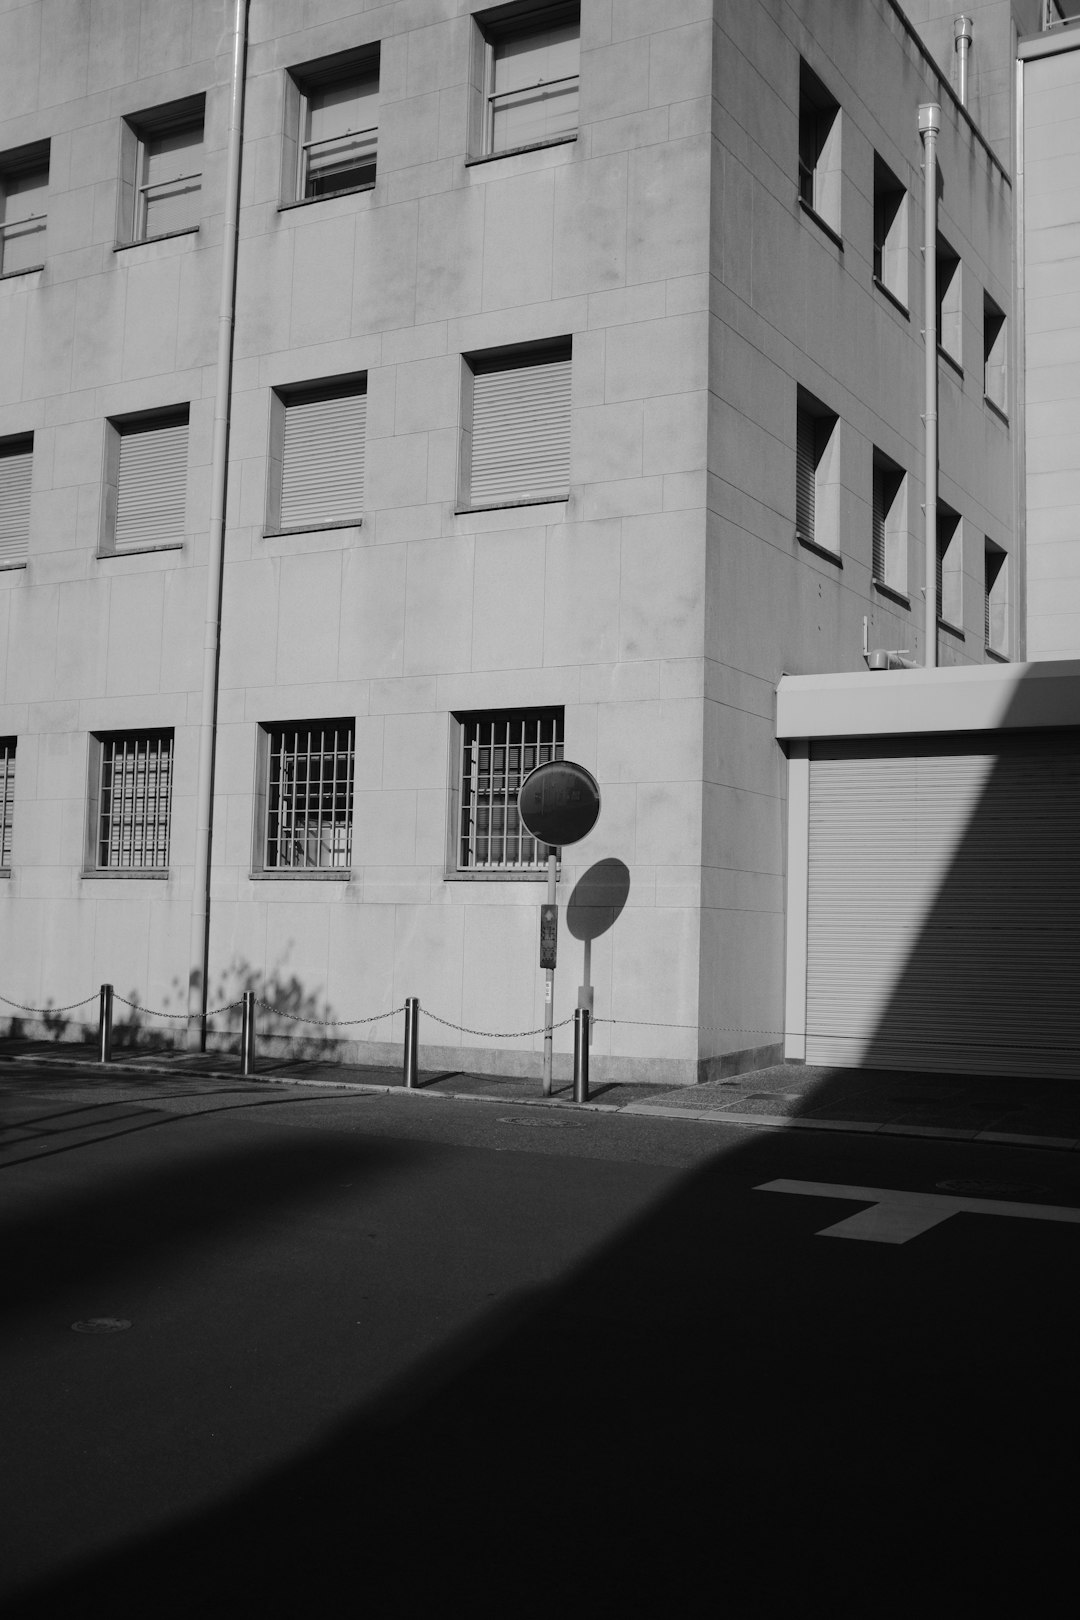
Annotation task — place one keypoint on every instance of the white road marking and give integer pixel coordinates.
(895, 1217)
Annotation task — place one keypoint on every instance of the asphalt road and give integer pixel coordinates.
(401, 1354)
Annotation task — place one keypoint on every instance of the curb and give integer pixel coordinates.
(798, 1122)
(788, 1122)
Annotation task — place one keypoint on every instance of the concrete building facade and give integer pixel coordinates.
(560, 420)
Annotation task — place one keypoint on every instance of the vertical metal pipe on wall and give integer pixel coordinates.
(929, 124)
(962, 31)
(200, 902)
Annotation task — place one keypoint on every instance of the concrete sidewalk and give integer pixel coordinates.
(969, 1108)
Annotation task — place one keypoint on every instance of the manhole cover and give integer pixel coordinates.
(101, 1324)
(544, 1124)
(992, 1189)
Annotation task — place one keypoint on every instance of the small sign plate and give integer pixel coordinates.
(549, 935)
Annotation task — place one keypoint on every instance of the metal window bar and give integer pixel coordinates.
(164, 192)
(16, 230)
(539, 91)
(498, 752)
(134, 801)
(338, 162)
(309, 800)
(7, 797)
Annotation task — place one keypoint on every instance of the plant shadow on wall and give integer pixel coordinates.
(951, 999)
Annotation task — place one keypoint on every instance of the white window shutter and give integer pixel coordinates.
(151, 496)
(322, 468)
(521, 433)
(16, 467)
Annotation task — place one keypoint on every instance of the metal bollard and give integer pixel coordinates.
(412, 1026)
(105, 1025)
(582, 1019)
(247, 1035)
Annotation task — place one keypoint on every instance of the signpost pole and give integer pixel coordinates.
(549, 979)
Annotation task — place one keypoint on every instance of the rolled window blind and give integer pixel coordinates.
(16, 465)
(805, 468)
(521, 432)
(322, 470)
(151, 494)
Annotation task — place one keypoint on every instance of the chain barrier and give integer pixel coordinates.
(495, 1034)
(153, 1012)
(303, 1018)
(719, 1029)
(48, 1012)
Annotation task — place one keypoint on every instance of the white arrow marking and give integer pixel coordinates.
(895, 1217)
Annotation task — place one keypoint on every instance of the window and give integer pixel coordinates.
(995, 373)
(131, 797)
(817, 474)
(516, 426)
(950, 567)
(498, 750)
(331, 126)
(890, 233)
(317, 455)
(819, 149)
(7, 799)
(889, 508)
(949, 314)
(16, 468)
(145, 481)
(162, 156)
(304, 796)
(995, 598)
(24, 189)
(529, 73)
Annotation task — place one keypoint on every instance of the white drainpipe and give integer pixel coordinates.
(962, 29)
(929, 124)
(200, 899)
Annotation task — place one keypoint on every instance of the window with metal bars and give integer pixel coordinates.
(517, 426)
(7, 799)
(24, 191)
(532, 55)
(498, 750)
(161, 184)
(331, 126)
(133, 800)
(305, 796)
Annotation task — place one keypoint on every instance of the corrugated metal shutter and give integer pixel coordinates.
(16, 469)
(151, 494)
(322, 472)
(521, 433)
(805, 468)
(944, 898)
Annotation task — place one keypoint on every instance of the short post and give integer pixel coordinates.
(105, 1024)
(582, 1019)
(412, 1025)
(247, 1035)
(549, 972)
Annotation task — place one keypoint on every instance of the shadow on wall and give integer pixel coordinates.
(595, 903)
(979, 890)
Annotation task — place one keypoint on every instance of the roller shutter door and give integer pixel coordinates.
(943, 904)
